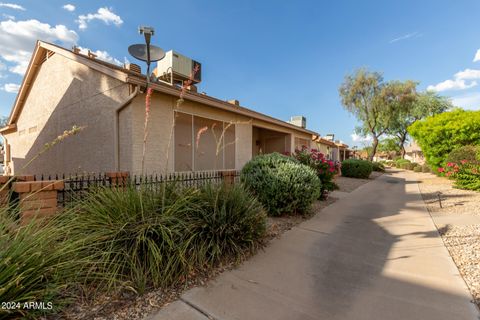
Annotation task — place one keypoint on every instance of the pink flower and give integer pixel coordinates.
(464, 161)
(441, 170)
(450, 164)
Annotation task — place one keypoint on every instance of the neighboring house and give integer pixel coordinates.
(63, 88)
(325, 146)
(414, 153)
(343, 151)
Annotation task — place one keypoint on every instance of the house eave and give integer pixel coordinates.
(8, 129)
(217, 103)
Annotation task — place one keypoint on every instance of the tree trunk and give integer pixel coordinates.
(403, 138)
(374, 148)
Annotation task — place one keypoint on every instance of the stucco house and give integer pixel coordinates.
(414, 153)
(324, 146)
(63, 88)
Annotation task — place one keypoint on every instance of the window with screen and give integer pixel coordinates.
(203, 144)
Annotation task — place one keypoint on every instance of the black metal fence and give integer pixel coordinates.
(78, 185)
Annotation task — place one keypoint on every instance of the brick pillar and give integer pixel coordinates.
(119, 178)
(4, 190)
(6, 186)
(37, 198)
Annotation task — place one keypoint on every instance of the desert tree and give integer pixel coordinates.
(373, 102)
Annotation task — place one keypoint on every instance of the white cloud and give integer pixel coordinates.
(459, 81)
(11, 87)
(468, 74)
(18, 40)
(477, 56)
(103, 14)
(102, 55)
(415, 34)
(12, 6)
(457, 84)
(467, 101)
(69, 7)
(359, 138)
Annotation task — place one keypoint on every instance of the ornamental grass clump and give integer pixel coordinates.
(281, 184)
(356, 168)
(135, 235)
(39, 262)
(228, 223)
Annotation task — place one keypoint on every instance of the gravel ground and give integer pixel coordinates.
(350, 184)
(464, 246)
(454, 201)
(126, 306)
(462, 241)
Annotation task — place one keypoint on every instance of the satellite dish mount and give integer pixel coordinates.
(146, 52)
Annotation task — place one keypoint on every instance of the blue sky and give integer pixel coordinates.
(281, 58)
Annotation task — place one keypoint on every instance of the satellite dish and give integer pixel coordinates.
(140, 52)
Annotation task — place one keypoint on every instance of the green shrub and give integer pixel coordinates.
(38, 262)
(417, 169)
(400, 161)
(281, 184)
(378, 166)
(136, 235)
(469, 153)
(467, 181)
(408, 165)
(355, 168)
(228, 222)
(440, 134)
(425, 168)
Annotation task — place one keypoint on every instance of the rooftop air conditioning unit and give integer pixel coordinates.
(180, 67)
(299, 121)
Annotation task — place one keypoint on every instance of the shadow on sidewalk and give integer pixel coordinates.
(351, 282)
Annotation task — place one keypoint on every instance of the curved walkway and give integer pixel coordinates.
(374, 254)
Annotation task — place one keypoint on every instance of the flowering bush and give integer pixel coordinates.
(325, 169)
(465, 173)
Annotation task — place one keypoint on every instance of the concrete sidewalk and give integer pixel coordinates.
(374, 254)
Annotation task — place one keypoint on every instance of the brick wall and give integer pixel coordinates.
(37, 198)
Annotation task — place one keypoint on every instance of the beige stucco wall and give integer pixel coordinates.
(66, 93)
(125, 138)
(159, 157)
(323, 148)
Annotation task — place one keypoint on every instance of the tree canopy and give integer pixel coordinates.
(374, 102)
(412, 109)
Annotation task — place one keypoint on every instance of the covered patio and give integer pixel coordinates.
(269, 141)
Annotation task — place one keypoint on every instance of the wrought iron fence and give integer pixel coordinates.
(78, 185)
